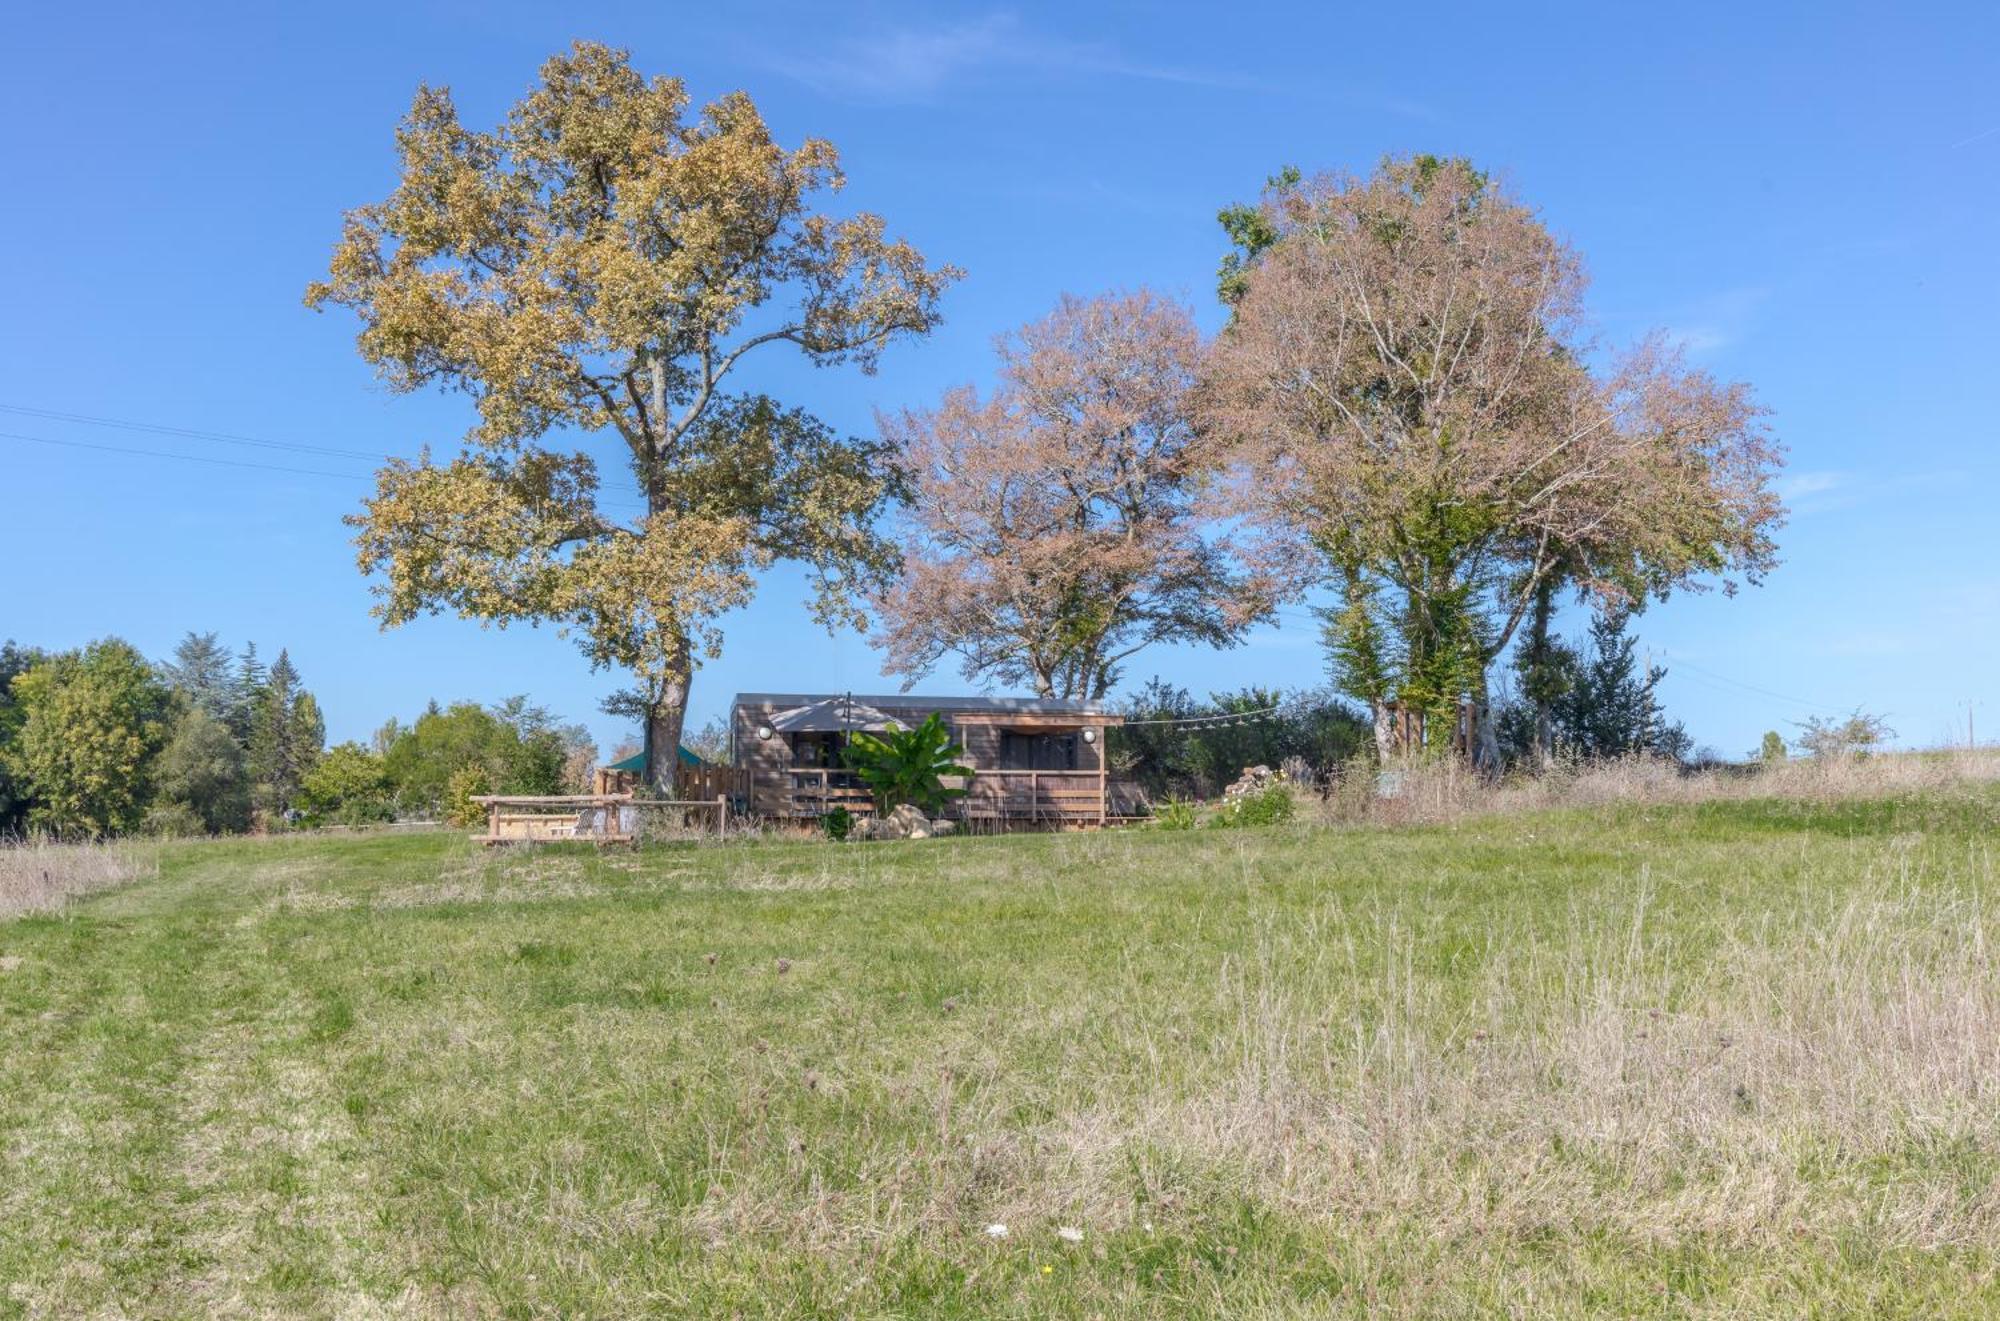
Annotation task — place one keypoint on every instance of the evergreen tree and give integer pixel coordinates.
(248, 694)
(201, 673)
(286, 736)
(1610, 708)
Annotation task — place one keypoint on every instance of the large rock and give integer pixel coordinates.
(1253, 781)
(905, 822)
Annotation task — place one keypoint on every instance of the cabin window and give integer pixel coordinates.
(818, 748)
(1037, 752)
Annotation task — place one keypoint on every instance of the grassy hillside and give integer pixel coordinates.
(1729, 1059)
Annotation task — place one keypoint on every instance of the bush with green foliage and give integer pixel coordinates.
(466, 783)
(349, 786)
(909, 765)
(1176, 814)
(517, 746)
(1183, 760)
(201, 771)
(1772, 750)
(168, 819)
(1856, 735)
(838, 824)
(1266, 807)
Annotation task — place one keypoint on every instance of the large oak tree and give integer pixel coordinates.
(601, 263)
(1422, 423)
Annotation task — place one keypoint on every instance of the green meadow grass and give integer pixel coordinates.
(1730, 1059)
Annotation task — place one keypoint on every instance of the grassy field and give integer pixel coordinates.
(1729, 1059)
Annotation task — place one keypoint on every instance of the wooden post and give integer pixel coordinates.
(1103, 808)
(721, 817)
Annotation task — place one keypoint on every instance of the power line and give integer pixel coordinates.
(192, 433)
(1747, 687)
(185, 458)
(229, 463)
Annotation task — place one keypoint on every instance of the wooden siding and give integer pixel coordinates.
(778, 789)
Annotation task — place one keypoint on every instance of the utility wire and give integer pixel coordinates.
(624, 506)
(1747, 687)
(186, 458)
(191, 433)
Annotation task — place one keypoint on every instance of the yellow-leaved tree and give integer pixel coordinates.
(597, 266)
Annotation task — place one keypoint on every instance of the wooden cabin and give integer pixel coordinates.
(1036, 761)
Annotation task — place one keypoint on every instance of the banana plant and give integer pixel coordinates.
(909, 765)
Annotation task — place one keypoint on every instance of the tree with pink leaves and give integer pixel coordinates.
(1055, 527)
(1418, 419)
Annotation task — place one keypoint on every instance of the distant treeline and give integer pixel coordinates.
(101, 741)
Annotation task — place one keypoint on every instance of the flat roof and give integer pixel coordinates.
(1051, 706)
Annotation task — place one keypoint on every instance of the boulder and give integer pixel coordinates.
(1254, 780)
(905, 822)
(943, 825)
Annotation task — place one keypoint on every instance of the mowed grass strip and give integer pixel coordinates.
(1724, 1059)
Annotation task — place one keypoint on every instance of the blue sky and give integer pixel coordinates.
(1803, 194)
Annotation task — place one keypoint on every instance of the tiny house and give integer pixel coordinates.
(1035, 760)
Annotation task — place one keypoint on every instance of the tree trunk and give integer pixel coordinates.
(1539, 679)
(666, 719)
(1486, 740)
(1385, 731)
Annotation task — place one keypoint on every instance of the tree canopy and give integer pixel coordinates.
(92, 723)
(1053, 528)
(601, 262)
(1420, 424)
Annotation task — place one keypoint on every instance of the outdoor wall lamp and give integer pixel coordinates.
(1090, 736)
(763, 733)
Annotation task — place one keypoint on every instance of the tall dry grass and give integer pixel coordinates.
(39, 874)
(1434, 793)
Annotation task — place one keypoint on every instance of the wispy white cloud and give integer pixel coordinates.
(918, 63)
(1802, 484)
(1720, 320)
(1818, 492)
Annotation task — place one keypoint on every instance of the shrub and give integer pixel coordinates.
(1266, 807)
(837, 824)
(1176, 814)
(174, 820)
(466, 782)
(349, 785)
(1856, 736)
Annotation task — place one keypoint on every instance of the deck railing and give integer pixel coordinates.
(1033, 796)
(992, 795)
